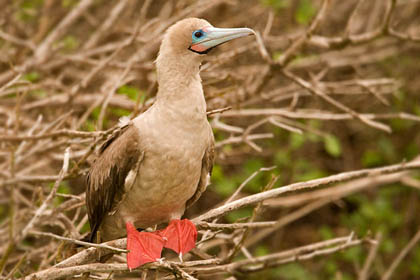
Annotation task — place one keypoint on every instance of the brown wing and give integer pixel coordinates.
(105, 181)
(206, 169)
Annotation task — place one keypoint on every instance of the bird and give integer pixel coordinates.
(159, 163)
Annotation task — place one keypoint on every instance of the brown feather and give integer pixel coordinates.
(105, 181)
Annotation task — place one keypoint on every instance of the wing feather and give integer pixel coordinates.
(106, 178)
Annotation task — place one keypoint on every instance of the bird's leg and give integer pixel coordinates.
(143, 247)
(180, 236)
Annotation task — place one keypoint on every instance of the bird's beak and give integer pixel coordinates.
(216, 36)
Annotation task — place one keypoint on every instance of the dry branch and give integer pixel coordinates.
(343, 58)
(345, 176)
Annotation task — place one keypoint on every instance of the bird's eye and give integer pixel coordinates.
(198, 34)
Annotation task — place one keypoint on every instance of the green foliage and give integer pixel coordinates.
(399, 125)
(296, 140)
(39, 93)
(120, 112)
(225, 185)
(85, 228)
(276, 5)
(239, 214)
(389, 209)
(377, 214)
(63, 188)
(383, 152)
(332, 145)
(294, 271)
(250, 167)
(388, 246)
(354, 254)
(416, 109)
(3, 213)
(90, 124)
(306, 170)
(305, 11)
(69, 3)
(69, 43)
(411, 150)
(130, 91)
(32, 77)
(371, 158)
(222, 185)
(282, 158)
(276, 55)
(261, 250)
(95, 113)
(415, 261)
(369, 214)
(326, 232)
(28, 10)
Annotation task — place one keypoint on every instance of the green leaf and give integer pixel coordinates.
(85, 228)
(276, 55)
(95, 113)
(239, 214)
(217, 174)
(64, 188)
(89, 125)
(130, 91)
(40, 93)
(69, 3)
(371, 158)
(120, 112)
(388, 245)
(28, 10)
(411, 150)
(261, 250)
(282, 158)
(293, 271)
(332, 145)
(305, 11)
(416, 109)
(70, 43)
(387, 149)
(31, 76)
(331, 267)
(354, 254)
(296, 140)
(225, 188)
(326, 232)
(414, 265)
(276, 4)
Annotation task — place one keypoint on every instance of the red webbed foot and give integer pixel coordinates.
(180, 236)
(144, 247)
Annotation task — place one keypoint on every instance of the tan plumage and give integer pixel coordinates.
(151, 169)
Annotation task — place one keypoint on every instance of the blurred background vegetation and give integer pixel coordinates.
(51, 84)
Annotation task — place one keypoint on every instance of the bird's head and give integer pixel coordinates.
(195, 37)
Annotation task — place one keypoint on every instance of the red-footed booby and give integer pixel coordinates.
(159, 163)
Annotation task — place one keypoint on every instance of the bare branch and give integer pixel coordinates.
(345, 176)
(388, 273)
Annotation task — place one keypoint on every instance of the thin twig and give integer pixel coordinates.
(75, 241)
(364, 273)
(47, 201)
(413, 241)
(345, 176)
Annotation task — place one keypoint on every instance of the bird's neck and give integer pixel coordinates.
(180, 86)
